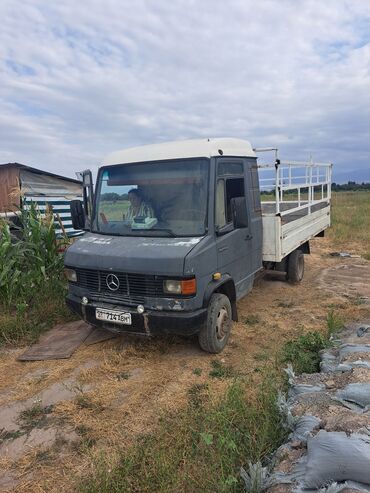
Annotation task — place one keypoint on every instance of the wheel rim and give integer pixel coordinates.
(222, 323)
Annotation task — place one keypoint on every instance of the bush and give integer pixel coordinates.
(303, 352)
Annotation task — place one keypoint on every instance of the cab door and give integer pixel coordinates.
(234, 246)
(255, 212)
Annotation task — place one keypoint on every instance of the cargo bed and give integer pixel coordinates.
(300, 209)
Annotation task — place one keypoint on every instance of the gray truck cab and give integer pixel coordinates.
(173, 240)
(182, 262)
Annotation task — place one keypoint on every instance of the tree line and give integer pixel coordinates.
(350, 186)
(113, 196)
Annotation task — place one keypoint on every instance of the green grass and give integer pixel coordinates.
(10, 435)
(252, 320)
(114, 210)
(350, 218)
(200, 448)
(334, 323)
(303, 353)
(123, 375)
(262, 356)
(33, 416)
(87, 439)
(220, 370)
(27, 321)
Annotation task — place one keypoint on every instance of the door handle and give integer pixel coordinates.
(223, 249)
(248, 237)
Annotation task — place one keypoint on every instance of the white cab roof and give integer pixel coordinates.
(182, 149)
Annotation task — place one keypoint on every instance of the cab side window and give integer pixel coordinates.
(230, 184)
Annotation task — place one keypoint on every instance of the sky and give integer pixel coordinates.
(79, 80)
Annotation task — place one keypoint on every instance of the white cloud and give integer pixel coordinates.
(79, 80)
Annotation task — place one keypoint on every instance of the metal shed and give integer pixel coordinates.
(20, 183)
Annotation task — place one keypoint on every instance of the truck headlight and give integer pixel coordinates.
(71, 275)
(172, 287)
(184, 287)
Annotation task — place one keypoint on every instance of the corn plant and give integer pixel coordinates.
(12, 273)
(30, 258)
(38, 234)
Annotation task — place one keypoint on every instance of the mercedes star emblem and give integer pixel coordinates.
(112, 282)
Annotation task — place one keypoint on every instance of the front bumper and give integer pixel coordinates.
(150, 322)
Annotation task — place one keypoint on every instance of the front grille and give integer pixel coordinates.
(132, 287)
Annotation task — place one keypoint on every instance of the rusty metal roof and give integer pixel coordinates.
(38, 171)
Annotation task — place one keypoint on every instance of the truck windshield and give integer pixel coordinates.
(153, 199)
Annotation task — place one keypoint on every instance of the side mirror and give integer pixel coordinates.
(83, 212)
(77, 214)
(87, 178)
(239, 212)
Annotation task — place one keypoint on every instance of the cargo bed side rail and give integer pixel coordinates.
(297, 186)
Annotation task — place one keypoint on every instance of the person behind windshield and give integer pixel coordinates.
(138, 207)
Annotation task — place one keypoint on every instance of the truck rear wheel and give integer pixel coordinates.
(295, 267)
(215, 333)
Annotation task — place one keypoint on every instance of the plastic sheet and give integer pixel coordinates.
(304, 426)
(296, 476)
(332, 488)
(347, 349)
(330, 461)
(334, 456)
(290, 373)
(348, 485)
(304, 389)
(360, 364)
(353, 485)
(358, 393)
(330, 363)
(363, 330)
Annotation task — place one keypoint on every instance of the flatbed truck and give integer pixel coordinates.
(176, 233)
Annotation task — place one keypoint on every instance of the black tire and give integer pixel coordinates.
(216, 331)
(295, 267)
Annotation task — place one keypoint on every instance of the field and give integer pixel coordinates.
(114, 211)
(139, 415)
(351, 222)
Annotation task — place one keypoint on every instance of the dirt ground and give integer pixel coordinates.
(56, 416)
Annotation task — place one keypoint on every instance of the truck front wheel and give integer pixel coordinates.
(215, 333)
(295, 266)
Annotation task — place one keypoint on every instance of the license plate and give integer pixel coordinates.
(113, 316)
